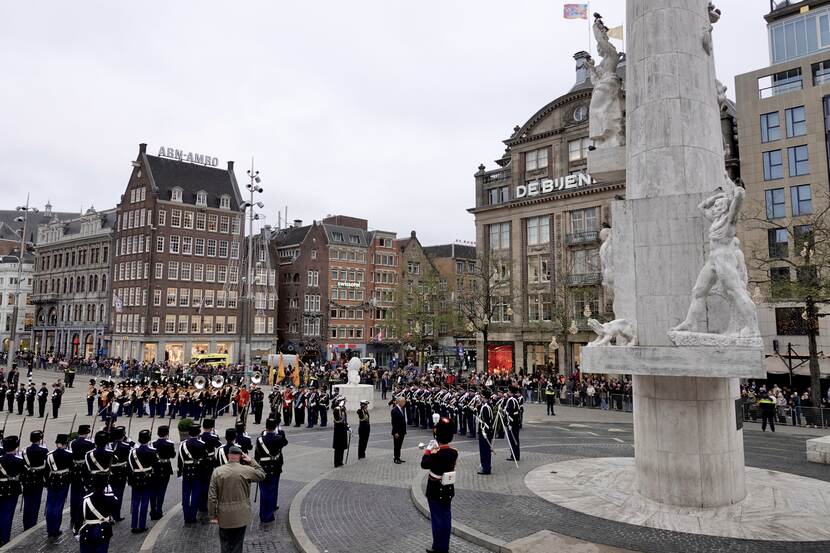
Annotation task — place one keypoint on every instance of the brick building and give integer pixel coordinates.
(176, 261)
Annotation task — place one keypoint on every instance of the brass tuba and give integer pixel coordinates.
(217, 381)
(199, 382)
(256, 377)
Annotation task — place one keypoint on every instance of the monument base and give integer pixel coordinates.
(355, 393)
(818, 450)
(704, 361)
(607, 164)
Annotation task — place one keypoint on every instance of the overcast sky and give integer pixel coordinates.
(378, 109)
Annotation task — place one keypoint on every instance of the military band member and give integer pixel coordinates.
(485, 434)
(143, 462)
(340, 440)
(97, 513)
(299, 407)
(192, 453)
(268, 453)
(439, 459)
(42, 398)
(212, 443)
(311, 406)
(287, 406)
(79, 448)
(58, 465)
(91, 393)
(363, 429)
(257, 403)
(167, 453)
(323, 400)
(11, 467)
(119, 469)
(32, 479)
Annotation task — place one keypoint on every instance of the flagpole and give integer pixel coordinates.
(588, 20)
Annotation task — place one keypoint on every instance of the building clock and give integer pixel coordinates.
(580, 113)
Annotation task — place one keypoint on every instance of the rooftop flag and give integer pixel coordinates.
(576, 11)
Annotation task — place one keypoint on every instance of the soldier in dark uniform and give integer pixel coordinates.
(167, 453)
(268, 453)
(192, 452)
(31, 392)
(10, 392)
(299, 407)
(243, 440)
(323, 406)
(91, 392)
(20, 396)
(31, 480)
(79, 447)
(485, 434)
(42, 398)
(56, 400)
(287, 405)
(513, 423)
(340, 440)
(222, 452)
(212, 443)
(119, 470)
(311, 406)
(11, 467)
(143, 462)
(363, 429)
(97, 517)
(439, 459)
(257, 403)
(58, 465)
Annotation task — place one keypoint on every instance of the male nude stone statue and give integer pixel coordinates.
(725, 265)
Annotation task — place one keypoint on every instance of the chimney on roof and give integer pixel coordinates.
(581, 58)
(230, 165)
(412, 234)
(298, 222)
(142, 148)
(48, 209)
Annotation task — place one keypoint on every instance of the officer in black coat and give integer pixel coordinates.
(212, 443)
(323, 405)
(222, 452)
(143, 462)
(486, 431)
(20, 396)
(398, 428)
(363, 429)
(514, 423)
(42, 398)
(32, 479)
(119, 470)
(243, 440)
(10, 391)
(97, 516)
(57, 395)
(192, 453)
(11, 467)
(31, 392)
(58, 466)
(268, 453)
(79, 447)
(257, 403)
(439, 459)
(340, 440)
(167, 454)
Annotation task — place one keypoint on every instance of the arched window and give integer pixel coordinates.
(104, 283)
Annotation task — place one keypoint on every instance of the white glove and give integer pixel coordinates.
(433, 445)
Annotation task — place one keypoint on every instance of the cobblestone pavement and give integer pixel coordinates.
(365, 506)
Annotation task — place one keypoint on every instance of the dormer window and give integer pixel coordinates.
(201, 198)
(337, 236)
(225, 202)
(176, 194)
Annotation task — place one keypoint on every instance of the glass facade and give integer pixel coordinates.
(800, 35)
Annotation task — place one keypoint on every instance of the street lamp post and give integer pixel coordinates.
(16, 311)
(253, 187)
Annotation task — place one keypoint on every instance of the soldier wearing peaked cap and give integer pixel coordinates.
(11, 467)
(268, 452)
(167, 453)
(97, 519)
(363, 429)
(58, 465)
(119, 469)
(42, 398)
(143, 462)
(32, 479)
(79, 447)
(192, 452)
(222, 452)
(212, 443)
(243, 440)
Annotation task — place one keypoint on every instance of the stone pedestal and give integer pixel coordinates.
(818, 450)
(607, 164)
(689, 450)
(355, 393)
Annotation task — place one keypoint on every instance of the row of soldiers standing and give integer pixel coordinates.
(25, 397)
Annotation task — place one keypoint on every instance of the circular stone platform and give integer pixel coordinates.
(778, 506)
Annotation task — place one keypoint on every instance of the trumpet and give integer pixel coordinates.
(256, 377)
(217, 381)
(199, 382)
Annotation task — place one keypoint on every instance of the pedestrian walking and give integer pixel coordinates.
(229, 498)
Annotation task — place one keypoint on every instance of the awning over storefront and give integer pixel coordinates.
(801, 365)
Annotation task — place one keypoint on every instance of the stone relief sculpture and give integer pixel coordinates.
(606, 123)
(720, 90)
(606, 260)
(714, 17)
(620, 331)
(353, 369)
(725, 269)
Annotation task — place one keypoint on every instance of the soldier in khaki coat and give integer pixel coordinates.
(229, 498)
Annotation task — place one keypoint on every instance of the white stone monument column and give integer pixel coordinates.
(688, 447)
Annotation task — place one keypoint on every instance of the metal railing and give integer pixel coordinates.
(805, 417)
(781, 87)
(585, 237)
(605, 402)
(586, 279)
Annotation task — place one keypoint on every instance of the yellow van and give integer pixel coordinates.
(210, 359)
